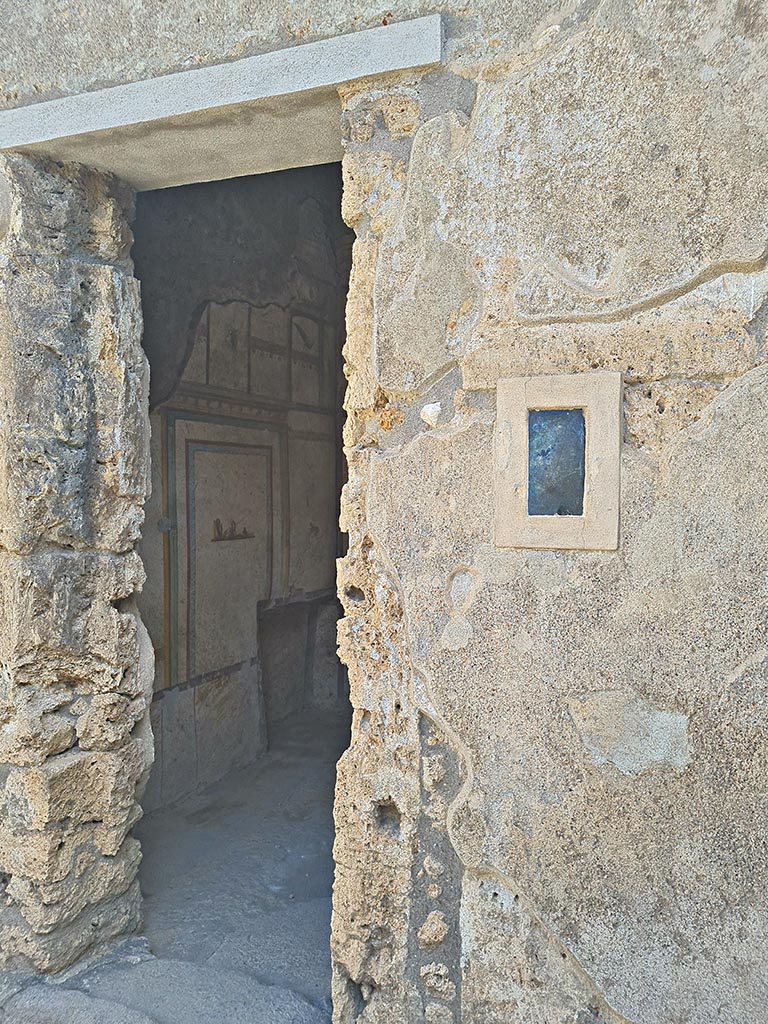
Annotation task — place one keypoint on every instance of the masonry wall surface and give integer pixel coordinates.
(558, 762)
(243, 290)
(77, 664)
(551, 809)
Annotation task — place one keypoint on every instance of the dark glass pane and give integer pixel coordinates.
(556, 445)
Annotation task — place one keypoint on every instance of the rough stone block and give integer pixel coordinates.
(43, 857)
(55, 208)
(75, 328)
(23, 949)
(61, 625)
(76, 787)
(106, 720)
(34, 724)
(94, 878)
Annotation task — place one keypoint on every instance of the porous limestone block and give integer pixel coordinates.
(78, 786)
(75, 329)
(56, 210)
(31, 727)
(62, 626)
(106, 720)
(75, 742)
(70, 320)
(94, 879)
(22, 949)
(41, 856)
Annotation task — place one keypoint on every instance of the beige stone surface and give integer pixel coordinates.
(75, 743)
(560, 753)
(599, 204)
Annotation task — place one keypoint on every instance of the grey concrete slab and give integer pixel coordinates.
(178, 992)
(48, 1004)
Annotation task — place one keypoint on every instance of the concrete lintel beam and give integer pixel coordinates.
(274, 110)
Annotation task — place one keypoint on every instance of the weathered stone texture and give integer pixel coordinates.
(552, 807)
(72, 368)
(600, 205)
(77, 665)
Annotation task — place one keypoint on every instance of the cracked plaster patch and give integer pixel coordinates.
(623, 730)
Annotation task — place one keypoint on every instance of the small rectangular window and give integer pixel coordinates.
(556, 459)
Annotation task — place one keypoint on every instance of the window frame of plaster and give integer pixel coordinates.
(599, 395)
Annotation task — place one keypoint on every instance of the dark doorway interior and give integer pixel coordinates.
(243, 291)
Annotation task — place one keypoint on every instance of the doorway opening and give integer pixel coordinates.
(244, 287)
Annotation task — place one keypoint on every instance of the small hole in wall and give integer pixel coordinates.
(388, 817)
(356, 997)
(354, 594)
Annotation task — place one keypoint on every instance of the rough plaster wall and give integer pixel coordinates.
(77, 666)
(243, 288)
(551, 807)
(584, 187)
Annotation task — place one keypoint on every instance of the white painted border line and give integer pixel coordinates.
(328, 62)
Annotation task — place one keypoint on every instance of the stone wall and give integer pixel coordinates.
(552, 806)
(243, 289)
(75, 742)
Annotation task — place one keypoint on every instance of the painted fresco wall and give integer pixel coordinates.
(241, 531)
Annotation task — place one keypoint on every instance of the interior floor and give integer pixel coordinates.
(237, 882)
